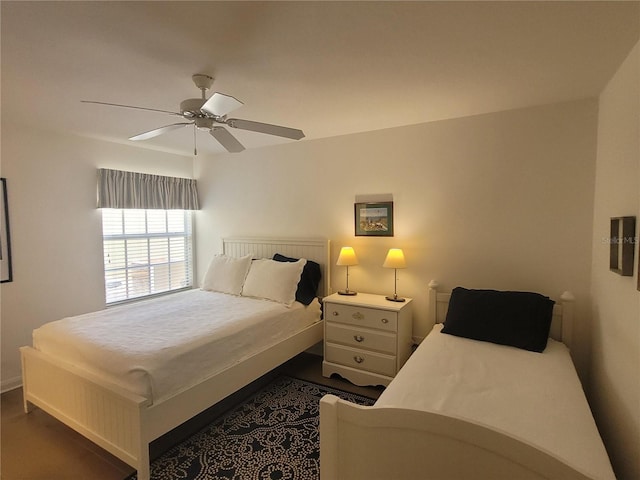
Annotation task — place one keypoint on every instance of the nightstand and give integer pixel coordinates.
(367, 338)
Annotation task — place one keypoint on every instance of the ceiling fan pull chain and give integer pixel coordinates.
(195, 146)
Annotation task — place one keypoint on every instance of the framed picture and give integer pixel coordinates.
(622, 245)
(6, 273)
(374, 219)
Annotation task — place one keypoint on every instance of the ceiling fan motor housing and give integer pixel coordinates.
(191, 107)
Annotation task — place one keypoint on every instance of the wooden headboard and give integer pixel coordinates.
(316, 249)
(561, 322)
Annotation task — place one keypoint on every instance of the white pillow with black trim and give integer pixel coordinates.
(271, 280)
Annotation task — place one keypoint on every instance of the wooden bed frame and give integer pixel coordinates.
(124, 423)
(369, 443)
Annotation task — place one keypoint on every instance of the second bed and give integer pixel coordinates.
(472, 406)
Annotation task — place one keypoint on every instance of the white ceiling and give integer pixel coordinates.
(328, 68)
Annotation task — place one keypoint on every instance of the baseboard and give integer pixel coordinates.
(10, 384)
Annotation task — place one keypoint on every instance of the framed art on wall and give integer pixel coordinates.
(6, 273)
(374, 219)
(622, 245)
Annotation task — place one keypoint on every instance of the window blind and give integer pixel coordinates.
(146, 252)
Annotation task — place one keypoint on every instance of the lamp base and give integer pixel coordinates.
(347, 292)
(395, 298)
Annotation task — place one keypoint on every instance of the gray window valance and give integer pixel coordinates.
(118, 189)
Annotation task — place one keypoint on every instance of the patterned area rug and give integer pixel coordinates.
(271, 436)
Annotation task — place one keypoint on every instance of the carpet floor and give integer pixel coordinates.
(273, 435)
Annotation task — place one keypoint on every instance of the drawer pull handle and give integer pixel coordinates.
(358, 316)
(384, 320)
(358, 359)
(335, 314)
(358, 338)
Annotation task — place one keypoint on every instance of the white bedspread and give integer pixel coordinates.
(534, 397)
(159, 347)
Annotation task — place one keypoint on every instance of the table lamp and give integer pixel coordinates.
(395, 259)
(347, 258)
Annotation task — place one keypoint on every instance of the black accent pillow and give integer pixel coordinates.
(309, 280)
(518, 319)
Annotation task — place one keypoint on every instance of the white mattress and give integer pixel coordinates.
(535, 397)
(160, 347)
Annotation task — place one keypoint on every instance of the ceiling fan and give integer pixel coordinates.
(209, 114)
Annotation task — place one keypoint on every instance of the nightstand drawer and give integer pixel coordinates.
(361, 359)
(361, 337)
(362, 316)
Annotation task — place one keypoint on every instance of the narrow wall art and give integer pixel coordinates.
(6, 272)
(622, 242)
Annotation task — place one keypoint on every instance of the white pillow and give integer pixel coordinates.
(277, 281)
(227, 274)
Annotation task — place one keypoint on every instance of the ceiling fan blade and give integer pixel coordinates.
(158, 131)
(220, 104)
(227, 140)
(267, 128)
(131, 106)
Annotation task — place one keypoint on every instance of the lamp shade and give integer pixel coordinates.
(347, 257)
(395, 259)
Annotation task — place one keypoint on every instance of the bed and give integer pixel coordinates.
(470, 408)
(133, 398)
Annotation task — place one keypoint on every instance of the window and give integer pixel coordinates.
(146, 252)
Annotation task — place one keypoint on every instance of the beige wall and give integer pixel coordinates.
(56, 231)
(615, 362)
(502, 200)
